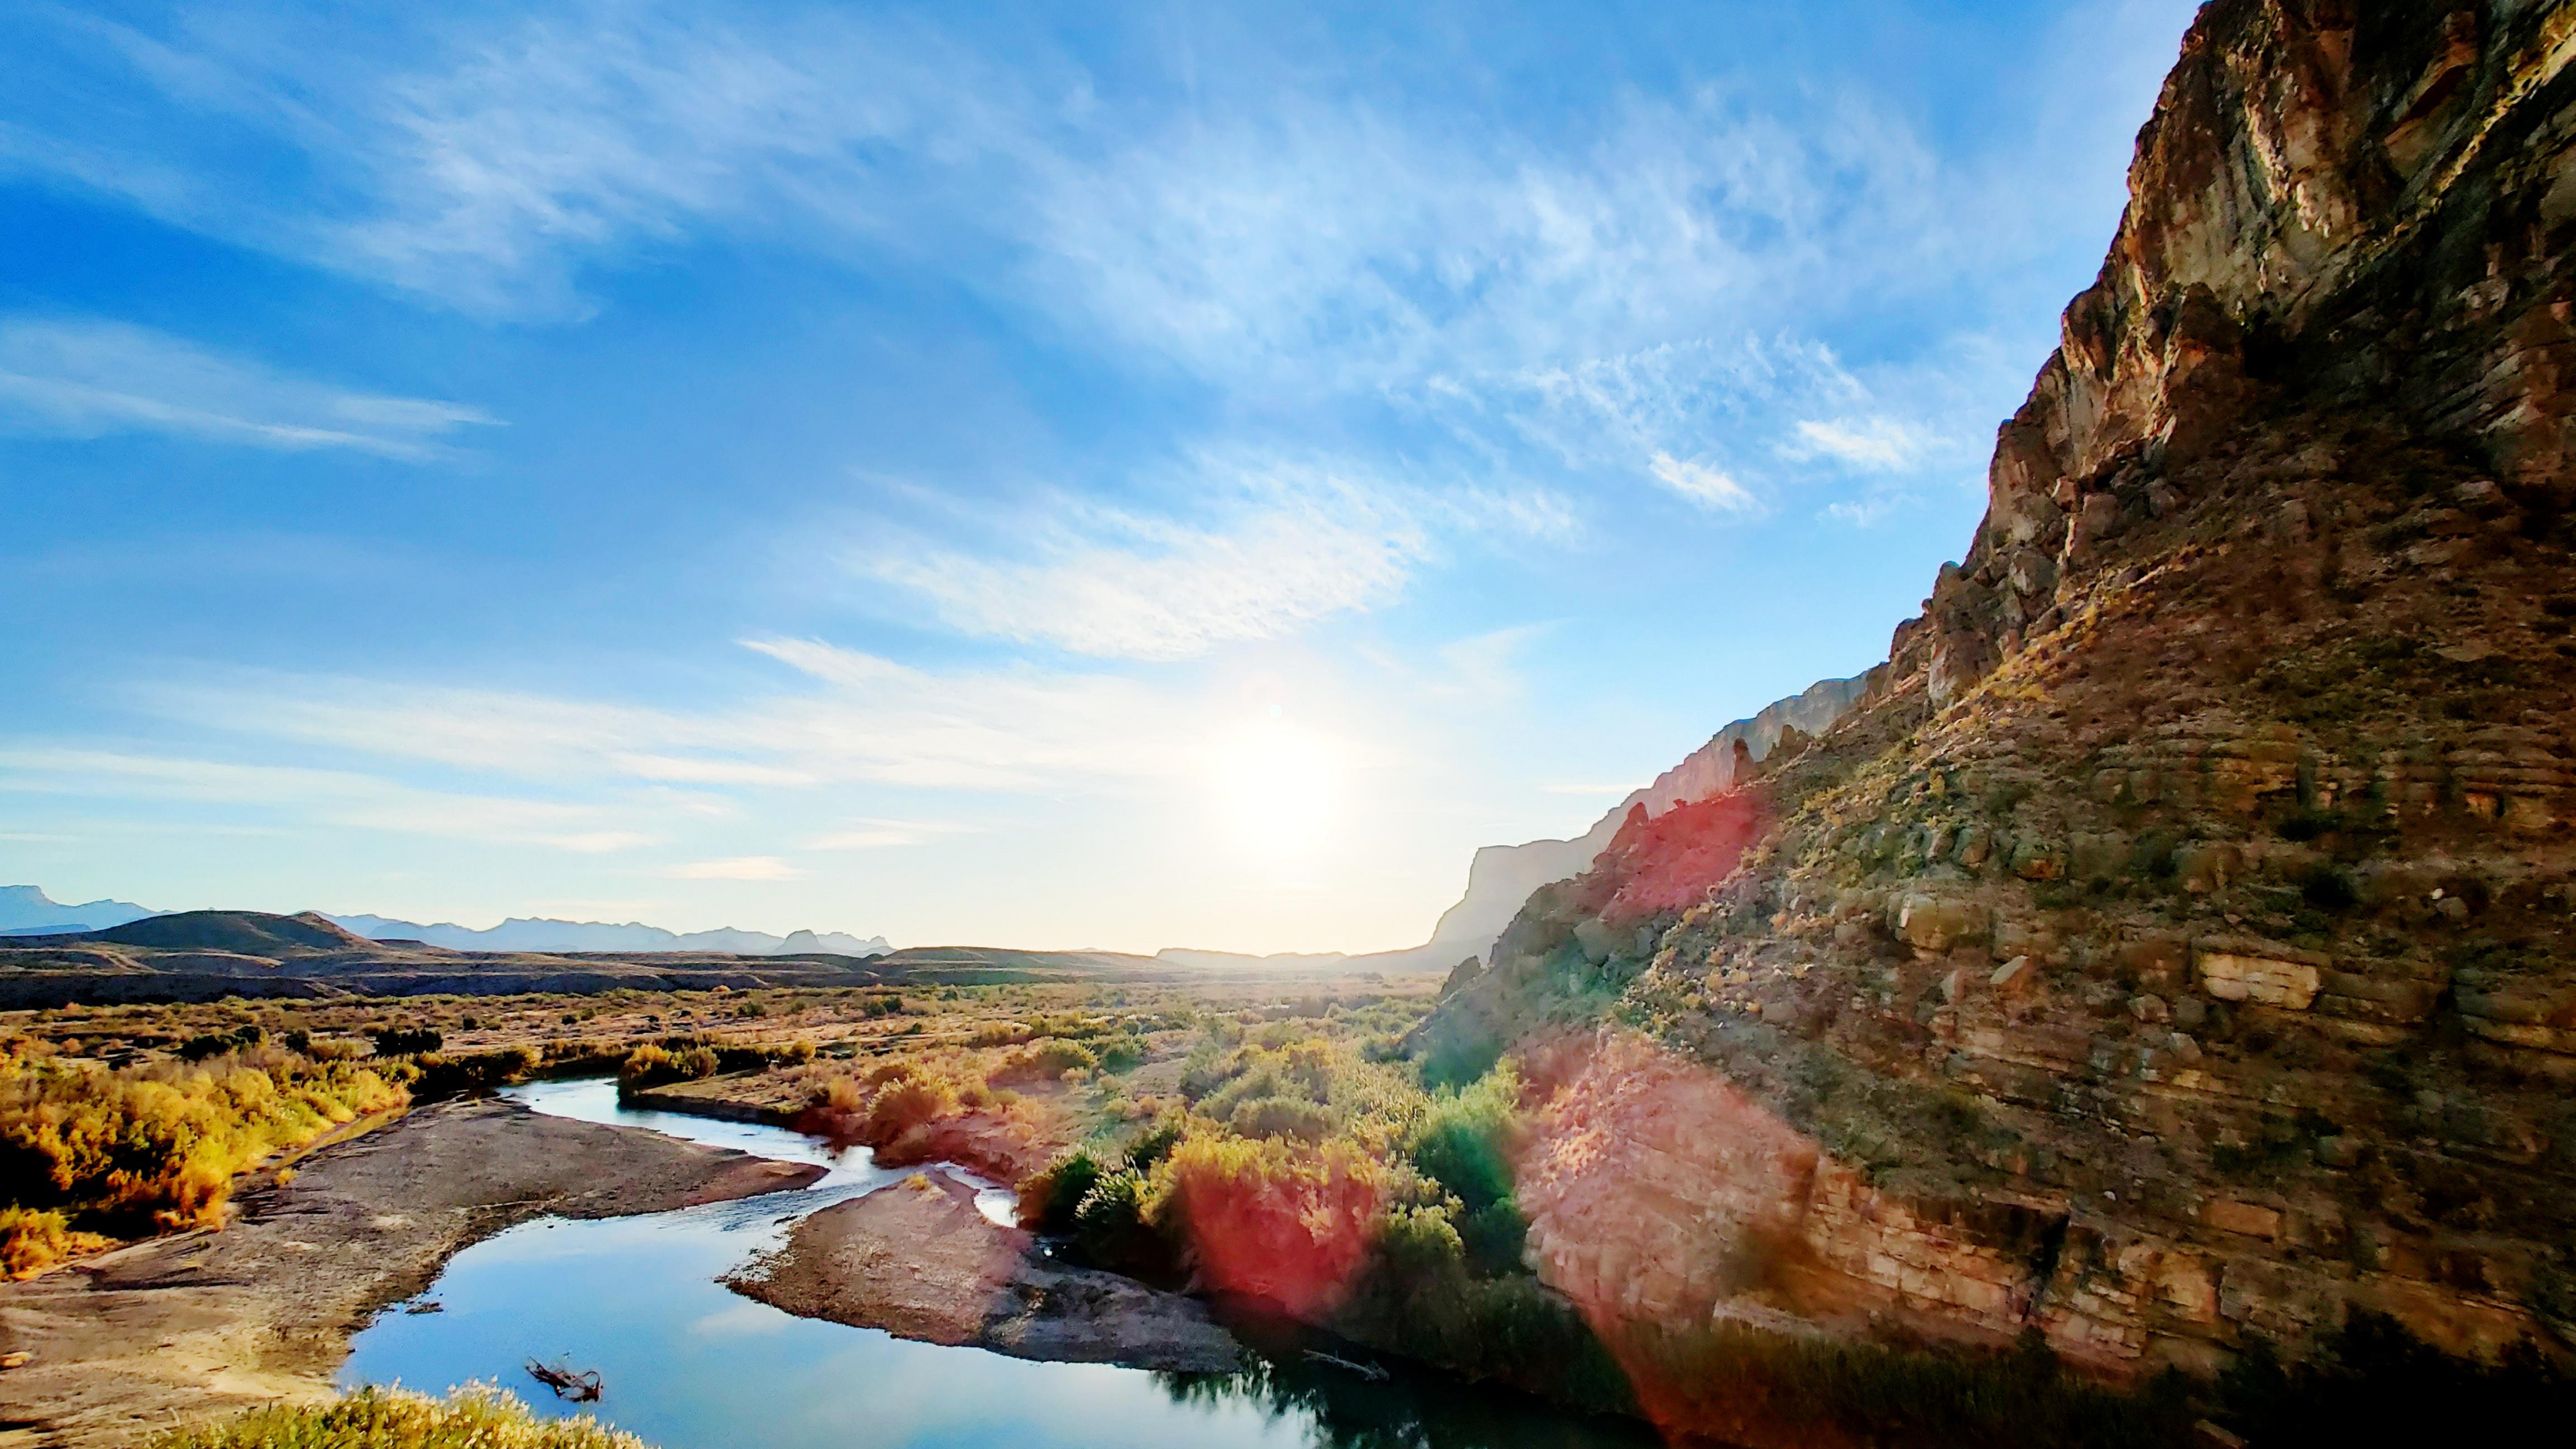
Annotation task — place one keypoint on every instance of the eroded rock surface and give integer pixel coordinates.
(917, 1260)
(2175, 946)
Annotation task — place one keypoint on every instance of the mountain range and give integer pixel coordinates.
(26, 910)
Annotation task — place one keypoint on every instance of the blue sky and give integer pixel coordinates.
(1018, 474)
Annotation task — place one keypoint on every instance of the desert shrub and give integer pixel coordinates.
(1465, 1141)
(647, 1066)
(32, 1240)
(908, 1102)
(214, 1044)
(157, 1145)
(401, 1041)
(1156, 1143)
(475, 1417)
(1048, 1200)
(1044, 1060)
(442, 1075)
(1417, 1296)
(1283, 1117)
(1268, 1220)
(1120, 1052)
(1110, 1227)
(839, 1094)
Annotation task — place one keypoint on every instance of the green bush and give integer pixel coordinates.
(1110, 1227)
(1283, 1117)
(1048, 1200)
(1156, 1144)
(397, 1041)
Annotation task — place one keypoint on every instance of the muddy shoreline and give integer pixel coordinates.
(195, 1326)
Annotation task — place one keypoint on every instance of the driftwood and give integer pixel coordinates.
(1369, 1371)
(582, 1388)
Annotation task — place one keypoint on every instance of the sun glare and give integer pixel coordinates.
(1274, 788)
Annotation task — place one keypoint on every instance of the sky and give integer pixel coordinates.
(1121, 476)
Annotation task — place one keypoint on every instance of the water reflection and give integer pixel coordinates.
(690, 1365)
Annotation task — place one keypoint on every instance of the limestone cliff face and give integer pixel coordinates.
(1502, 877)
(2178, 944)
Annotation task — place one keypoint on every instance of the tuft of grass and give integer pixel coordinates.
(477, 1416)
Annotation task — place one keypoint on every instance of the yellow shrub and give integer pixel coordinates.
(477, 1416)
(32, 1241)
(158, 1145)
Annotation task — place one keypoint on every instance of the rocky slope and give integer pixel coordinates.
(2173, 948)
(1501, 878)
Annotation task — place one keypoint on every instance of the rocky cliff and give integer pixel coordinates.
(2173, 947)
(1501, 878)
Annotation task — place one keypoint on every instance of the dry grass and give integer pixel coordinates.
(474, 1417)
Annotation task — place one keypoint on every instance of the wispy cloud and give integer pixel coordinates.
(869, 834)
(1702, 484)
(863, 719)
(86, 378)
(1877, 444)
(740, 867)
(333, 797)
(1296, 546)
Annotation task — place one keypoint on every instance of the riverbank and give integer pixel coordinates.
(919, 1261)
(199, 1325)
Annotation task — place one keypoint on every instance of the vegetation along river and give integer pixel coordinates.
(689, 1364)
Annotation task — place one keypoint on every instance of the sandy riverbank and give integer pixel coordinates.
(198, 1325)
(917, 1260)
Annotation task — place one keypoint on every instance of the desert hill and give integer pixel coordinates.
(250, 933)
(2172, 949)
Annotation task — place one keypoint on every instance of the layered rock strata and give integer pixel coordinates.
(2174, 947)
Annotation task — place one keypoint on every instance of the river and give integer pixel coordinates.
(689, 1364)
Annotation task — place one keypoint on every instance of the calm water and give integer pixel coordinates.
(691, 1365)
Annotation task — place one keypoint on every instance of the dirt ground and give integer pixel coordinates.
(197, 1325)
(917, 1260)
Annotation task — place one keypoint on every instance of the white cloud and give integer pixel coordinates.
(88, 378)
(1861, 512)
(1702, 484)
(332, 797)
(1295, 548)
(1875, 444)
(871, 720)
(866, 834)
(740, 867)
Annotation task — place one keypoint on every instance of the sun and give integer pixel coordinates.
(1275, 787)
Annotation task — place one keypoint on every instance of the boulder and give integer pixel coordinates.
(2264, 977)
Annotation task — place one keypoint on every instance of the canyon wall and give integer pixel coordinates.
(1501, 878)
(2175, 946)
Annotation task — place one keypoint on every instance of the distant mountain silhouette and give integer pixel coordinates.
(526, 934)
(27, 910)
